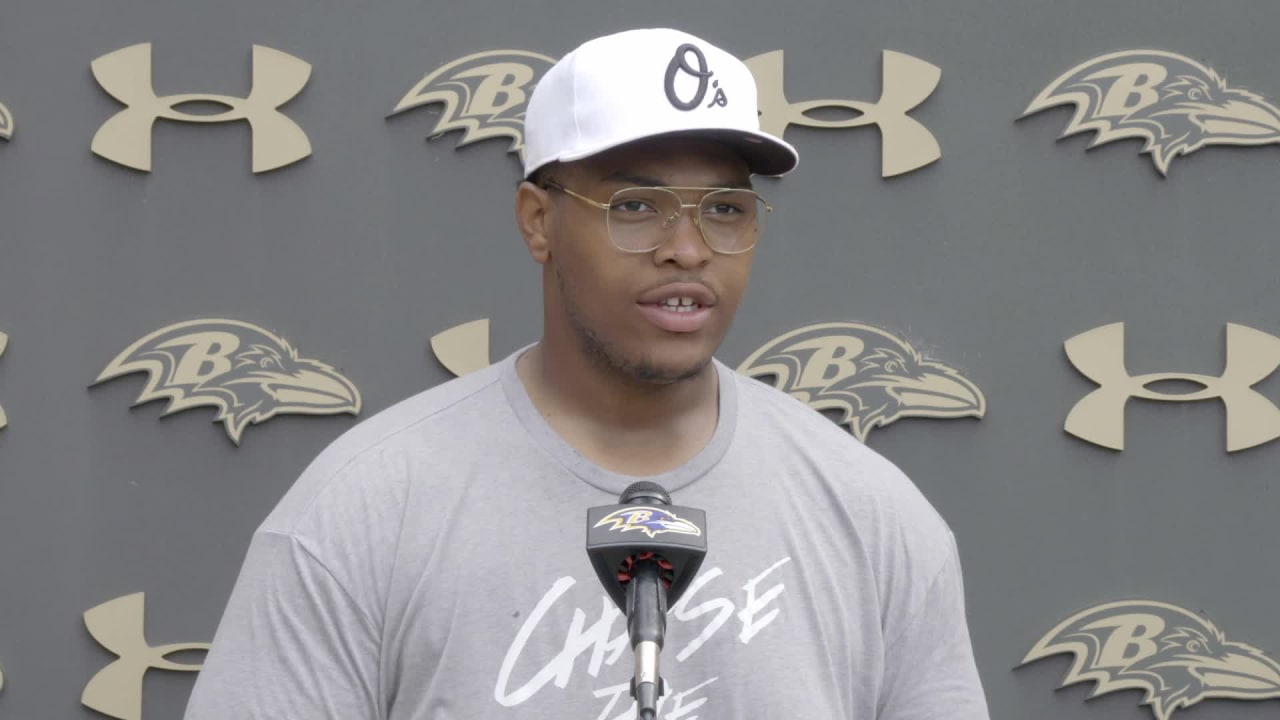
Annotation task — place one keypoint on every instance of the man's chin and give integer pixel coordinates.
(654, 371)
(667, 361)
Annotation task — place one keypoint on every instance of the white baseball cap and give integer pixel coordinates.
(643, 83)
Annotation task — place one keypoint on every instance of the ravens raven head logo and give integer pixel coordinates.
(1176, 104)
(6, 123)
(484, 95)
(649, 520)
(1177, 657)
(870, 376)
(249, 374)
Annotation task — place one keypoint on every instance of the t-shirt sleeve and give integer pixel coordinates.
(292, 644)
(930, 672)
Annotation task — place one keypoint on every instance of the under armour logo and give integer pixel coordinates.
(680, 64)
(126, 137)
(907, 82)
(119, 626)
(1098, 417)
(6, 123)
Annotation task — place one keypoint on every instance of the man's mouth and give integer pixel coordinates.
(680, 304)
(678, 307)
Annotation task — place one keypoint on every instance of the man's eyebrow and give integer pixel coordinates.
(646, 181)
(637, 180)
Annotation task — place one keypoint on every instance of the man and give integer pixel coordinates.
(430, 563)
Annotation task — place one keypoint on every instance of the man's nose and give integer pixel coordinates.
(684, 243)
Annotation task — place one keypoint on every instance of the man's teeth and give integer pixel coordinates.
(680, 304)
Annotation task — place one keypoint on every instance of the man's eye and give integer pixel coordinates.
(724, 209)
(633, 206)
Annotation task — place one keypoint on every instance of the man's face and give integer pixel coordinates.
(620, 306)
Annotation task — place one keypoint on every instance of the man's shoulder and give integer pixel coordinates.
(363, 461)
(439, 404)
(775, 422)
(791, 419)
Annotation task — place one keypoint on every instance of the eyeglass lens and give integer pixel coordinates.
(641, 219)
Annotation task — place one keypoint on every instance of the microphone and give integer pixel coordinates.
(646, 551)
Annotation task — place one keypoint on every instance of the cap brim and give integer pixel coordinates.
(764, 153)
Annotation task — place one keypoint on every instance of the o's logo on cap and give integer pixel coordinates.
(680, 62)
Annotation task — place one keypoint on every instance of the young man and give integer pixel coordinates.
(430, 563)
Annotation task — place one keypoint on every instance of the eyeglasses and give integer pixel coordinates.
(641, 219)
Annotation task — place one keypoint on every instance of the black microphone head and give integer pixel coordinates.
(644, 526)
(644, 492)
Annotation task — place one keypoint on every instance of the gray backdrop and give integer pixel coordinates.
(987, 260)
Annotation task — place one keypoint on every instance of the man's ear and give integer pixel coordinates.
(533, 217)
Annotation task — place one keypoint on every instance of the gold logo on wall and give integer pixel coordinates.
(1176, 657)
(126, 137)
(6, 123)
(871, 377)
(1176, 104)
(4, 343)
(464, 348)
(485, 96)
(1098, 417)
(907, 81)
(119, 626)
(248, 373)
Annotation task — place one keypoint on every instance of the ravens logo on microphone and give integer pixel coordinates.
(1176, 104)
(1176, 657)
(249, 374)
(649, 520)
(871, 377)
(484, 95)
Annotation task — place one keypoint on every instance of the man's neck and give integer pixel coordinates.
(622, 424)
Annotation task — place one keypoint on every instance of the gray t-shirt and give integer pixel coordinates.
(430, 564)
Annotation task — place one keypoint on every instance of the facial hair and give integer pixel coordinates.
(606, 356)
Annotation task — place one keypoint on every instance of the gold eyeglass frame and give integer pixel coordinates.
(697, 219)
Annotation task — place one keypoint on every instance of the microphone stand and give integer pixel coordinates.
(647, 626)
(646, 552)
